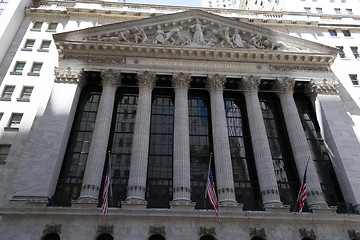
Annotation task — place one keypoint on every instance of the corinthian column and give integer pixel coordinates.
(140, 147)
(223, 165)
(98, 147)
(262, 154)
(181, 177)
(298, 142)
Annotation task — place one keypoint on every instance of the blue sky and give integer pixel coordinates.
(193, 3)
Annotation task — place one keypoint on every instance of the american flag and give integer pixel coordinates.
(210, 189)
(104, 205)
(302, 195)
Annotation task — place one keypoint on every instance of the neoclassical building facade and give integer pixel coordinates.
(156, 99)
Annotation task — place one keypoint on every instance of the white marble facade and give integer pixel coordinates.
(184, 45)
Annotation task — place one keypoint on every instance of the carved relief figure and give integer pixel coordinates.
(223, 34)
(172, 33)
(255, 42)
(238, 42)
(140, 35)
(122, 36)
(159, 36)
(197, 29)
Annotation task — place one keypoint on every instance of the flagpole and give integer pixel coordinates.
(110, 191)
(207, 179)
(297, 199)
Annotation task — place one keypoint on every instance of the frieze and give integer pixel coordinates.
(194, 32)
(69, 75)
(282, 68)
(322, 87)
(94, 59)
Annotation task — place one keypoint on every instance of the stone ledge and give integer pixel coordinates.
(30, 201)
(134, 204)
(84, 203)
(277, 208)
(182, 205)
(323, 210)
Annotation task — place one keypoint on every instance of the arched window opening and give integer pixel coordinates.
(105, 236)
(156, 237)
(257, 238)
(207, 237)
(52, 236)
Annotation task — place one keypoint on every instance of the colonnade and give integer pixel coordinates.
(181, 155)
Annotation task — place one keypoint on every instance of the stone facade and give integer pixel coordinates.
(187, 48)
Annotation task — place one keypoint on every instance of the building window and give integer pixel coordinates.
(307, 9)
(319, 10)
(4, 151)
(7, 93)
(29, 44)
(15, 120)
(45, 45)
(37, 26)
(52, 26)
(26, 93)
(333, 33)
(355, 52)
(19, 67)
(354, 79)
(346, 33)
(332, 0)
(349, 11)
(341, 52)
(337, 10)
(35, 70)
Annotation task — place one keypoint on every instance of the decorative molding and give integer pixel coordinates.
(146, 79)
(270, 191)
(222, 190)
(52, 228)
(216, 82)
(257, 232)
(157, 230)
(110, 77)
(282, 68)
(250, 83)
(88, 186)
(181, 80)
(307, 233)
(284, 85)
(182, 189)
(207, 231)
(136, 188)
(97, 59)
(106, 229)
(322, 87)
(69, 75)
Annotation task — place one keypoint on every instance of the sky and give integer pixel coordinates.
(192, 3)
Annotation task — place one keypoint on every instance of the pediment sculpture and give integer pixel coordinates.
(195, 33)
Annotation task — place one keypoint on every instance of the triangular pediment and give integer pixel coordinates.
(200, 31)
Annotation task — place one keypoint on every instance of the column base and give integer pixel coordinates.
(278, 208)
(182, 205)
(323, 209)
(84, 203)
(226, 207)
(134, 203)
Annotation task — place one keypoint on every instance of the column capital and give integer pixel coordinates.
(314, 87)
(70, 75)
(216, 82)
(250, 83)
(146, 78)
(110, 77)
(284, 85)
(181, 80)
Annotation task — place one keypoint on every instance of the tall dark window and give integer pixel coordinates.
(325, 170)
(244, 169)
(200, 145)
(120, 143)
(160, 164)
(284, 164)
(72, 171)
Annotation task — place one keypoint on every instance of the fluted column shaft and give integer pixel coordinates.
(298, 142)
(262, 154)
(223, 164)
(181, 177)
(140, 147)
(98, 147)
